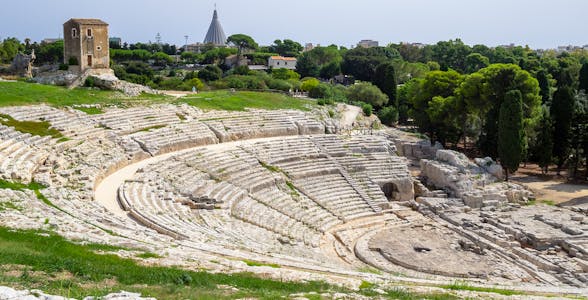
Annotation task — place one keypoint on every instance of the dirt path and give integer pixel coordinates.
(552, 188)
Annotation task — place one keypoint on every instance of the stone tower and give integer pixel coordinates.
(215, 34)
(86, 43)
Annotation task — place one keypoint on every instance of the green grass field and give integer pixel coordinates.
(42, 260)
(238, 101)
(22, 93)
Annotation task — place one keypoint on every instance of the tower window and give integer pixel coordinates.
(89, 32)
(74, 33)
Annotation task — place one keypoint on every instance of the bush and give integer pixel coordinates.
(210, 73)
(170, 84)
(388, 115)
(309, 83)
(242, 70)
(366, 92)
(320, 91)
(63, 67)
(367, 109)
(89, 82)
(285, 74)
(73, 61)
(194, 82)
(278, 84)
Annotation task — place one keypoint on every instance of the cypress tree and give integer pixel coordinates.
(544, 147)
(510, 132)
(562, 112)
(544, 86)
(583, 78)
(385, 79)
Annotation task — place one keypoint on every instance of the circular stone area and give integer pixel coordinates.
(433, 250)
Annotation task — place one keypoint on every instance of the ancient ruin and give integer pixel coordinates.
(287, 188)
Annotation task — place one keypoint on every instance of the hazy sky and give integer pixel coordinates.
(537, 23)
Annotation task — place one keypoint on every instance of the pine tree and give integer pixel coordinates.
(510, 132)
(385, 79)
(544, 147)
(562, 110)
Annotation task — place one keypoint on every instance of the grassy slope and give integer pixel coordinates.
(50, 263)
(225, 100)
(22, 93)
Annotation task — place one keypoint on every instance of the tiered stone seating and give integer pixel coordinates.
(298, 207)
(21, 153)
(72, 123)
(175, 137)
(333, 192)
(273, 152)
(231, 126)
(135, 119)
(263, 216)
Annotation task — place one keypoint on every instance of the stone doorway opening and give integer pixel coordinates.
(391, 191)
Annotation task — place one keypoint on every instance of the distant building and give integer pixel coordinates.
(215, 37)
(308, 47)
(368, 44)
(215, 34)
(280, 62)
(115, 42)
(86, 42)
(50, 40)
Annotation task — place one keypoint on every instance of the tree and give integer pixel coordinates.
(368, 93)
(385, 80)
(242, 42)
(287, 48)
(511, 132)
(562, 110)
(583, 80)
(545, 88)
(421, 92)
(330, 70)
(484, 92)
(544, 144)
(362, 62)
(388, 115)
(306, 66)
(475, 62)
(210, 73)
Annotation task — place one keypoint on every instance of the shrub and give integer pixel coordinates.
(366, 92)
(279, 84)
(285, 74)
(388, 115)
(194, 82)
(309, 83)
(210, 73)
(73, 61)
(89, 82)
(170, 84)
(320, 91)
(63, 67)
(367, 109)
(242, 70)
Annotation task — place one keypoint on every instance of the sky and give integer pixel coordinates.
(537, 23)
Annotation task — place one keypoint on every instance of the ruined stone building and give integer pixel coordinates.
(86, 44)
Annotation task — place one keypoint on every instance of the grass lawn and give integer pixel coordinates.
(42, 260)
(238, 101)
(23, 93)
